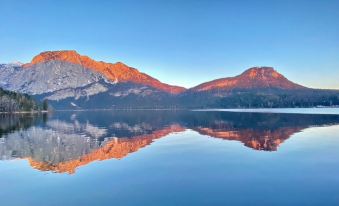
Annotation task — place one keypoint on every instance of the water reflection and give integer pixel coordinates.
(67, 141)
(257, 130)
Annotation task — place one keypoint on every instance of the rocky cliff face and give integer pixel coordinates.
(70, 80)
(117, 72)
(56, 78)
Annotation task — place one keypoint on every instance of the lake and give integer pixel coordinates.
(170, 158)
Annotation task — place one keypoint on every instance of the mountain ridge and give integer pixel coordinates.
(120, 72)
(252, 78)
(113, 71)
(73, 81)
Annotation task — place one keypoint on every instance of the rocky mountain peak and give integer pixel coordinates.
(262, 72)
(117, 72)
(70, 56)
(253, 78)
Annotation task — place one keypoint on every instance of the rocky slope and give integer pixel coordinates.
(71, 81)
(117, 72)
(51, 77)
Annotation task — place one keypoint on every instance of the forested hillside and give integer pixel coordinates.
(16, 102)
(262, 98)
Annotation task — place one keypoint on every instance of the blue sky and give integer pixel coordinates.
(182, 42)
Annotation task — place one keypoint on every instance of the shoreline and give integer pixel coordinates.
(309, 110)
(26, 112)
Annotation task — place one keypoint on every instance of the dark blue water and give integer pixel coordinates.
(169, 158)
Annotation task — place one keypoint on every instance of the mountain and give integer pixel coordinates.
(52, 78)
(253, 78)
(69, 80)
(117, 72)
(256, 87)
(72, 81)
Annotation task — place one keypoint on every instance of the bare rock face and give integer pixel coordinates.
(114, 72)
(69, 79)
(56, 78)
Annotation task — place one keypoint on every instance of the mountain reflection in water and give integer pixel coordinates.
(65, 141)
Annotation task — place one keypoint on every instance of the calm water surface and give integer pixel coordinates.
(324, 110)
(169, 158)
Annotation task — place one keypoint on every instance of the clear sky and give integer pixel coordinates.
(182, 42)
